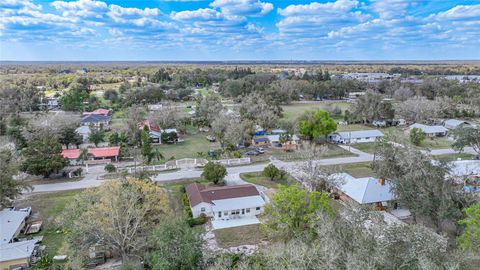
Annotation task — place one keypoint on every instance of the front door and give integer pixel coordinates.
(219, 214)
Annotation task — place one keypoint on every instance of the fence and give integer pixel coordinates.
(188, 163)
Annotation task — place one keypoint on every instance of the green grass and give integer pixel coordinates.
(193, 143)
(365, 147)
(353, 127)
(257, 178)
(49, 206)
(356, 169)
(293, 111)
(237, 236)
(455, 157)
(430, 143)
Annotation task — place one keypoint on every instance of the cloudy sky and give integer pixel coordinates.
(239, 30)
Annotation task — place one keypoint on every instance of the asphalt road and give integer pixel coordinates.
(90, 179)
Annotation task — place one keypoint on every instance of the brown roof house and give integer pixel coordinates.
(228, 206)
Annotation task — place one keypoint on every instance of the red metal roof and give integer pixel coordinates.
(99, 112)
(198, 193)
(103, 152)
(71, 153)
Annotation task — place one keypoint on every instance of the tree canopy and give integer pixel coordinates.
(316, 124)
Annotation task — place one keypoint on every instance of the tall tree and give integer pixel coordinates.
(292, 209)
(69, 136)
(43, 157)
(96, 136)
(10, 186)
(146, 145)
(466, 137)
(470, 238)
(372, 106)
(214, 172)
(316, 124)
(119, 214)
(174, 245)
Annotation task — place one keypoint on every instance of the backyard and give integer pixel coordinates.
(237, 236)
(48, 207)
(257, 178)
(293, 111)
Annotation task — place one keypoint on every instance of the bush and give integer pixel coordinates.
(44, 262)
(214, 172)
(110, 168)
(417, 136)
(197, 221)
(186, 203)
(271, 172)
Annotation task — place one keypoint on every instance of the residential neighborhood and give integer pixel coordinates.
(239, 135)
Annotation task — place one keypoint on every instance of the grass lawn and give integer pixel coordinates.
(463, 156)
(293, 111)
(430, 143)
(47, 207)
(257, 178)
(237, 236)
(194, 142)
(353, 127)
(365, 147)
(356, 169)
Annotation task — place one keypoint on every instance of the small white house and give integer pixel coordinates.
(431, 131)
(224, 203)
(359, 136)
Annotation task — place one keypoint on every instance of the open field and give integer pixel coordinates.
(48, 207)
(355, 169)
(293, 111)
(353, 127)
(244, 235)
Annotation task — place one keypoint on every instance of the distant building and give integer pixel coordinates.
(72, 155)
(359, 136)
(104, 153)
(84, 131)
(430, 131)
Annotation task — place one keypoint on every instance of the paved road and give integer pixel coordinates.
(90, 179)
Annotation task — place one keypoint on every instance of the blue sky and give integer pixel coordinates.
(239, 30)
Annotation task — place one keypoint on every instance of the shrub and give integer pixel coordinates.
(417, 136)
(110, 168)
(186, 203)
(271, 172)
(197, 221)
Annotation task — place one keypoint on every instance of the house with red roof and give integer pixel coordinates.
(72, 155)
(226, 202)
(102, 153)
(155, 131)
(104, 112)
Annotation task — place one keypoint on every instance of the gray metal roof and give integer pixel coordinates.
(17, 250)
(429, 129)
(360, 134)
(10, 221)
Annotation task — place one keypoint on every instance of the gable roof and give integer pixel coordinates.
(364, 190)
(104, 151)
(17, 250)
(258, 139)
(93, 118)
(71, 153)
(360, 134)
(429, 129)
(83, 130)
(464, 167)
(198, 193)
(10, 220)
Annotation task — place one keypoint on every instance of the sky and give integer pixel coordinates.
(198, 30)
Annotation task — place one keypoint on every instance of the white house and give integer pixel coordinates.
(366, 190)
(84, 131)
(431, 131)
(359, 136)
(224, 203)
(455, 123)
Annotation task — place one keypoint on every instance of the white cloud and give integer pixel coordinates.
(459, 12)
(243, 7)
(316, 8)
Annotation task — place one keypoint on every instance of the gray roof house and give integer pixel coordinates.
(431, 131)
(95, 119)
(358, 136)
(365, 190)
(83, 131)
(455, 123)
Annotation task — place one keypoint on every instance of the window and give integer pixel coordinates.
(225, 213)
(219, 214)
(243, 211)
(258, 208)
(248, 210)
(202, 209)
(367, 138)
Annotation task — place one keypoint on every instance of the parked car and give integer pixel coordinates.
(252, 153)
(260, 150)
(211, 138)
